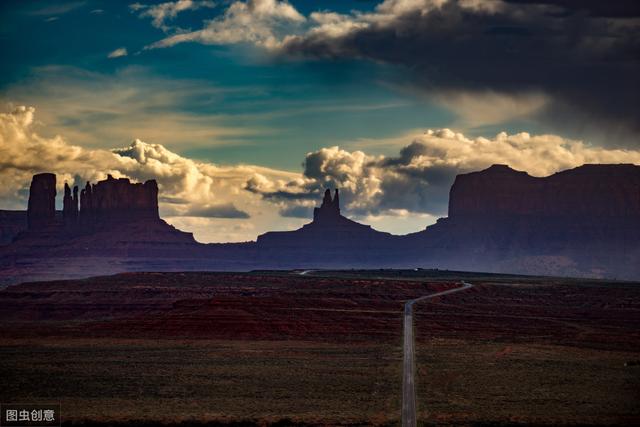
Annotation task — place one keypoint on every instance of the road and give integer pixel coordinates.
(408, 376)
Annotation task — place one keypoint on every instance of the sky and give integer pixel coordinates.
(244, 111)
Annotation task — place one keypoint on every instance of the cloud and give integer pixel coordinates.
(260, 22)
(417, 180)
(59, 8)
(160, 13)
(102, 110)
(571, 65)
(595, 8)
(189, 188)
(398, 193)
(479, 108)
(297, 211)
(225, 210)
(581, 66)
(121, 51)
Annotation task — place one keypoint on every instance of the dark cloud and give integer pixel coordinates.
(419, 177)
(594, 8)
(368, 184)
(296, 211)
(226, 210)
(585, 55)
(174, 200)
(292, 194)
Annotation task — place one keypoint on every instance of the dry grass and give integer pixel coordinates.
(466, 382)
(196, 348)
(166, 380)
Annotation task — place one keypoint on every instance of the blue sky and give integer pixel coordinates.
(303, 76)
(294, 106)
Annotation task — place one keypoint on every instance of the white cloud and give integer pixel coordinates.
(418, 179)
(188, 188)
(121, 51)
(102, 110)
(260, 22)
(399, 193)
(453, 48)
(272, 24)
(163, 12)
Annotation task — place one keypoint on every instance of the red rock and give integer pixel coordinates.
(330, 237)
(118, 200)
(329, 210)
(41, 211)
(70, 206)
(586, 192)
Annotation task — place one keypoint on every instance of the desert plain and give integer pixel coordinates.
(322, 348)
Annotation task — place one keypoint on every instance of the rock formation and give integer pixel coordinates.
(118, 200)
(107, 217)
(579, 222)
(329, 210)
(41, 210)
(70, 206)
(582, 221)
(330, 238)
(587, 192)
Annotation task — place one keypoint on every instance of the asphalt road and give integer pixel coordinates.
(408, 377)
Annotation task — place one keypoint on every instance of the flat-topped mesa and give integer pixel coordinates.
(118, 200)
(329, 210)
(41, 211)
(585, 193)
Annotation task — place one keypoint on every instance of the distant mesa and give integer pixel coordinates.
(579, 222)
(326, 235)
(583, 193)
(114, 201)
(124, 209)
(41, 210)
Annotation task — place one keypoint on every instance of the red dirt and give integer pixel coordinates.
(288, 306)
(584, 315)
(209, 305)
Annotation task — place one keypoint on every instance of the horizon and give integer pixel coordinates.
(242, 109)
(320, 213)
(318, 198)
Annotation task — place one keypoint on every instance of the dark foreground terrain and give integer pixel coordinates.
(322, 348)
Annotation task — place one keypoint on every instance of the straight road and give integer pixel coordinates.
(408, 377)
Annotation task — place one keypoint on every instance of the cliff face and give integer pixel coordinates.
(105, 216)
(70, 206)
(118, 200)
(602, 192)
(582, 221)
(41, 210)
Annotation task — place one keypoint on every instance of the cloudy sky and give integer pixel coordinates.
(245, 110)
